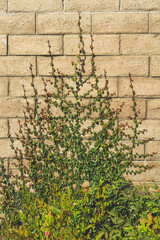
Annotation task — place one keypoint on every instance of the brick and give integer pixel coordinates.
(152, 127)
(84, 102)
(138, 149)
(3, 45)
(88, 123)
(143, 87)
(154, 22)
(93, 5)
(34, 5)
(13, 164)
(12, 107)
(3, 128)
(154, 66)
(103, 44)
(3, 5)
(16, 89)
(16, 66)
(15, 172)
(120, 23)
(4, 86)
(143, 44)
(127, 110)
(34, 45)
(5, 149)
(144, 5)
(5, 164)
(14, 126)
(17, 23)
(62, 23)
(153, 111)
(64, 64)
(122, 65)
(112, 84)
(149, 175)
(151, 147)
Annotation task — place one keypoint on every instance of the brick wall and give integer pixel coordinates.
(126, 34)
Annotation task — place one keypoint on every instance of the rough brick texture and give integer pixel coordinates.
(3, 5)
(155, 22)
(121, 66)
(103, 44)
(142, 44)
(120, 22)
(15, 66)
(34, 45)
(126, 39)
(17, 23)
(92, 5)
(61, 23)
(4, 87)
(143, 5)
(3, 45)
(34, 5)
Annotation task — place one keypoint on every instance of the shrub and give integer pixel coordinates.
(82, 143)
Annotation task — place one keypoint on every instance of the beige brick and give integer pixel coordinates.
(143, 87)
(34, 45)
(15, 172)
(121, 66)
(12, 107)
(138, 149)
(62, 23)
(16, 66)
(154, 66)
(3, 128)
(127, 110)
(14, 126)
(151, 147)
(120, 23)
(16, 89)
(153, 111)
(88, 123)
(143, 44)
(5, 164)
(4, 86)
(3, 5)
(17, 23)
(149, 175)
(143, 5)
(34, 6)
(5, 149)
(103, 44)
(152, 127)
(154, 22)
(3, 45)
(112, 84)
(64, 64)
(56, 111)
(13, 164)
(93, 5)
